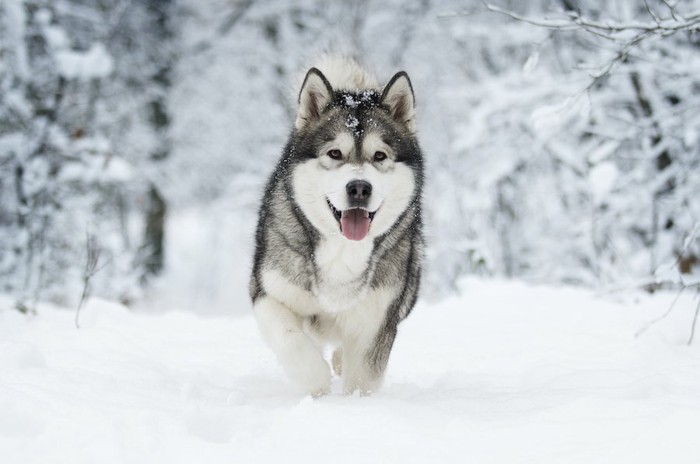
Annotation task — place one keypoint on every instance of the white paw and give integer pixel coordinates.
(308, 370)
(363, 382)
(361, 387)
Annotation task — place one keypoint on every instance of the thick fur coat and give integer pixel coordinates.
(339, 242)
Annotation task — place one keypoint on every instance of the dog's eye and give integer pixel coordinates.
(334, 154)
(379, 156)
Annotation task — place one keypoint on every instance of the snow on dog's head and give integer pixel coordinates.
(358, 165)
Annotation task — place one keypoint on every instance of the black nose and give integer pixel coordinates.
(359, 189)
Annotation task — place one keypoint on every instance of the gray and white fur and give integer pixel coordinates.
(339, 241)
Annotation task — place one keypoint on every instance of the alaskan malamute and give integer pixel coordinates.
(339, 241)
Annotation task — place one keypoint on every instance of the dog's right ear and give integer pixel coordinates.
(316, 92)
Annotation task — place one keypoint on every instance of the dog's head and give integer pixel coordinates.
(359, 162)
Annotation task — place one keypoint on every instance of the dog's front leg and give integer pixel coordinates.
(301, 359)
(364, 361)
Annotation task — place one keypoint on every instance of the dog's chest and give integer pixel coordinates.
(342, 276)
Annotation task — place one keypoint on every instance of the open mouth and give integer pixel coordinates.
(354, 222)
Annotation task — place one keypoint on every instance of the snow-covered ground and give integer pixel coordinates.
(503, 373)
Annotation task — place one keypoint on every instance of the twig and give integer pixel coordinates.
(672, 9)
(91, 261)
(686, 244)
(235, 16)
(695, 321)
(652, 14)
(648, 325)
(611, 31)
(581, 22)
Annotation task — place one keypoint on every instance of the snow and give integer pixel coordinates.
(542, 171)
(532, 62)
(602, 178)
(531, 171)
(549, 118)
(14, 9)
(209, 259)
(502, 372)
(352, 124)
(96, 62)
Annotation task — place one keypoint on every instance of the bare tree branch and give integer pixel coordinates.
(235, 16)
(91, 268)
(672, 9)
(653, 322)
(686, 244)
(652, 14)
(695, 321)
(576, 22)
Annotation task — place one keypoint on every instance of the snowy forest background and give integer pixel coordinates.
(136, 135)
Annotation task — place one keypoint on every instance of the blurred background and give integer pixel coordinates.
(562, 139)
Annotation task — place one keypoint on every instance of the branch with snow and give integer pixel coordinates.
(607, 29)
(628, 35)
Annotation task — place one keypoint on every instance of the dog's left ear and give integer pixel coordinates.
(398, 96)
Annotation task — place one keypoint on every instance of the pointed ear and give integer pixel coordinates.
(316, 92)
(398, 97)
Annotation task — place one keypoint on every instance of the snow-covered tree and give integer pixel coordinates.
(561, 136)
(83, 90)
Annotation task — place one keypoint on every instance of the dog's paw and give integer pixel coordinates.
(310, 371)
(322, 392)
(365, 383)
(315, 379)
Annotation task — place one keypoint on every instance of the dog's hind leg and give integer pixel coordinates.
(300, 357)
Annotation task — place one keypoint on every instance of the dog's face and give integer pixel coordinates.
(360, 164)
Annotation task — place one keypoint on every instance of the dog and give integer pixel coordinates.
(339, 241)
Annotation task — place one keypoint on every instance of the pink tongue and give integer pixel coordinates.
(354, 224)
